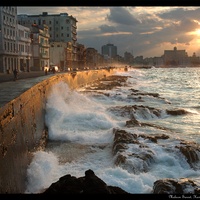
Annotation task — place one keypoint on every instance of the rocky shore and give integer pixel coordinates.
(143, 157)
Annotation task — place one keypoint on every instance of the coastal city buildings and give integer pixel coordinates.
(175, 57)
(8, 38)
(62, 28)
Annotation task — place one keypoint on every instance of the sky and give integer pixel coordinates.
(141, 30)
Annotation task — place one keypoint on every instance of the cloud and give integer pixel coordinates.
(107, 29)
(181, 13)
(121, 15)
(146, 31)
(186, 25)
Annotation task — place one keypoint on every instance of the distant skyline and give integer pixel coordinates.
(140, 30)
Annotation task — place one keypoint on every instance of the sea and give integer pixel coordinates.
(81, 122)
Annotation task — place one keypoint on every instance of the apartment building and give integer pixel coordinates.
(62, 28)
(109, 50)
(40, 47)
(24, 48)
(58, 55)
(8, 39)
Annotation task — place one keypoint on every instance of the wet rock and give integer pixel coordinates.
(130, 111)
(191, 151)
(108, 83)
(177, 112)
(176, 186)
(155, 137)
(89, 184)
(138, 159)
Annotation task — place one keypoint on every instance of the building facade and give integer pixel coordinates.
(58, 55)
(24, 48)
(91, 58)
(8, 39)
(175, 57)
(109, 50)
(40, 47)
(62, 27)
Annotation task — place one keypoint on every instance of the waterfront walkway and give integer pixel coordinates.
(10, 89)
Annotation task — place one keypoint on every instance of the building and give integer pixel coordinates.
(62, 27)
(91, 58)
(8, 39)
(128, 58)
(24, 48)
(194, 60)
(58, 56)
(109, 51)
(81, 56)
(175, 57)
(40, 47)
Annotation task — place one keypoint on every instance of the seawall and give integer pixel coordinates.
(23, 130)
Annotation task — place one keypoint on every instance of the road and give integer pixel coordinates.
(21, 75)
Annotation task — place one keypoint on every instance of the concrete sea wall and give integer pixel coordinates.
(23, 130)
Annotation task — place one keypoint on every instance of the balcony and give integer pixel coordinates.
(44, 45)
(23, 39)
(44, 55)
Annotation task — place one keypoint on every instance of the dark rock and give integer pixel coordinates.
(190, 150)
(176, 186)
(90, 184)
(136, 161)
(177, 112)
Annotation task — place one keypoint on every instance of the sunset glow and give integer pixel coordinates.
(197, 32)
